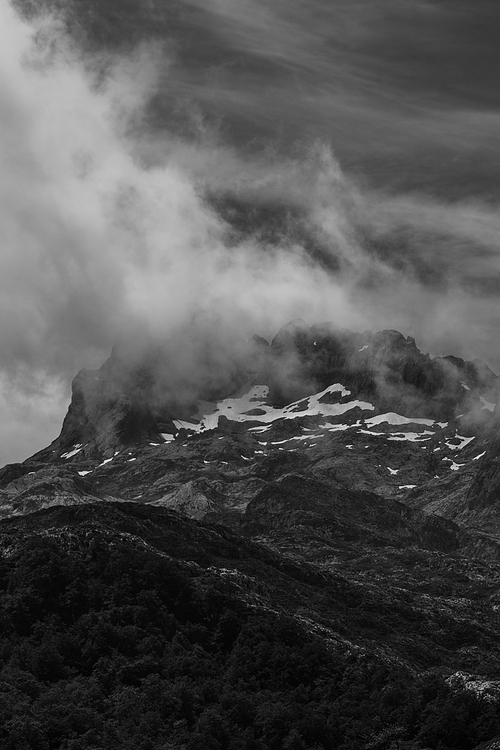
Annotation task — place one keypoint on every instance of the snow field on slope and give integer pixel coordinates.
(236, 408)
(396, 419)
(254, 398)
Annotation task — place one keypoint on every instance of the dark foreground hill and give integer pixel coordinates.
(128, 626)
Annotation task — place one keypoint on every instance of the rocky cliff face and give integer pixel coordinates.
(146, 383)
(485, 489)
(384, 366)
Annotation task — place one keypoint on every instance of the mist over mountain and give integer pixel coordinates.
(259, 163)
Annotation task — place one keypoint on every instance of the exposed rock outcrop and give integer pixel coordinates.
(385, 367)
(485, 489)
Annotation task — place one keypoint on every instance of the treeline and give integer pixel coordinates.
(110, 645)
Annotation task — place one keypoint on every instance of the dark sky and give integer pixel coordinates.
(406, 91)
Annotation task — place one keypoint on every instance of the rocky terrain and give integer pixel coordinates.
(345, 481)
(208, 430)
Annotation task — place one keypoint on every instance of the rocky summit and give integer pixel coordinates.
(250, 544)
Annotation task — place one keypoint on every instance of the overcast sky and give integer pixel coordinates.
(126, 126)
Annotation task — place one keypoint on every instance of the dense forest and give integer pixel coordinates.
(109, 645)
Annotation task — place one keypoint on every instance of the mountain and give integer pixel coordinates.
(252, 544)
(211, 419)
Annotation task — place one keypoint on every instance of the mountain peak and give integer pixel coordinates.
(149, 389)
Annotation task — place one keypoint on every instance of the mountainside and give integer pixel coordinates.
(207, 420)
(329, 495)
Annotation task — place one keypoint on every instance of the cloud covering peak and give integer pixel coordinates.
(110, 215)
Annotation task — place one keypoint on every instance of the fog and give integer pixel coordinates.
(122, 167)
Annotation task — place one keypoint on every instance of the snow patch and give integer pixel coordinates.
(393, 418)
(237, 408)
(106, 461)
(181, 424)
(487, 404)
(412, 437)
(296, 437)
(335, 427)
(464, 441)
(69, 454)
